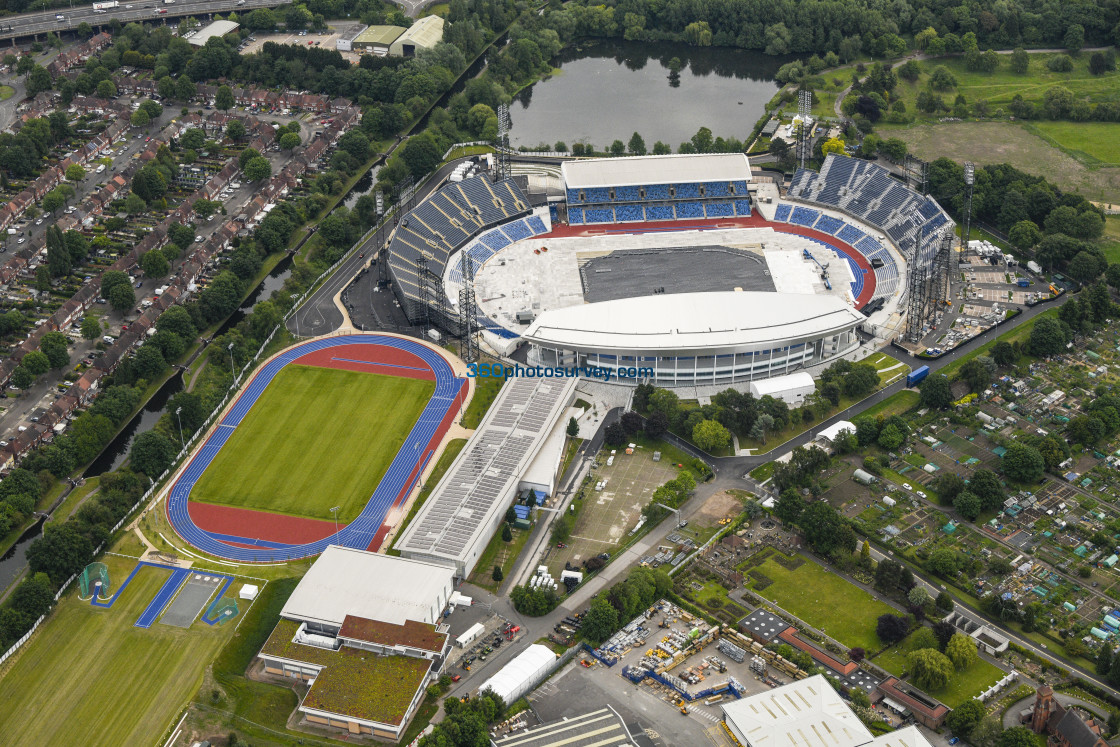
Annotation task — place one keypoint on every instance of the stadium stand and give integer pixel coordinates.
(446, 221)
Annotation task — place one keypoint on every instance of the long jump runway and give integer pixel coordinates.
(257, 536)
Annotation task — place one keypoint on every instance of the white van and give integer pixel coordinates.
(100, 169)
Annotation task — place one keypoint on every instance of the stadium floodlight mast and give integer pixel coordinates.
(969, 181)
(334, 511)
(181, 441)
(232, 369)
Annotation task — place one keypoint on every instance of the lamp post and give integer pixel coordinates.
(180, 420)
(232, 370)
(335, 512)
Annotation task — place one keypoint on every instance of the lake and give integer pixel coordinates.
(608, 89)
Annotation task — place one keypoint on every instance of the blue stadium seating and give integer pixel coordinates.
(783, 211)
(716, 189)
(629, 213)
(828, 224)
(659, 212)
(657, 192)
(743, 207)
(553, 213)
(572, 196)
(517, 231)
(494, 239)
(690, 210)
(575, 216)
(597, 195)
(536, 225)
(687, 190)
(850, 234)
(719, 209)
(599, 215)
(626, 194)
(804, 216)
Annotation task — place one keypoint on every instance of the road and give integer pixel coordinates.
(33, 24)
(319, 315)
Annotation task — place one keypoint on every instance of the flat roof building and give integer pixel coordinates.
(806, 713)
(374, 40)
(791, 389)
(362, 628)
(694, 339)
(601, 728)
(468, 504)
(425, 33)
(215, 30)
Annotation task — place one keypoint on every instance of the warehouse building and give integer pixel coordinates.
(806, 713)
(424, 34)
(524, 672)
(364, 629)
(468, 505)
(791, 389)
(374, 40)
(215, 30)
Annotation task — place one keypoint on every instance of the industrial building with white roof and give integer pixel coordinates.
(694, 339)
(468, 505)
(806, 713)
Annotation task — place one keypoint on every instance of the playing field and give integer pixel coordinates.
(89, 677)
(316, 438)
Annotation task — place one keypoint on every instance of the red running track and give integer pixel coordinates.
(294, 530)
(561, 230)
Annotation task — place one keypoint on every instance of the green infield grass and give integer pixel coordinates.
(1092, 143)
(813, 594)
(89, 677)
(316, 438)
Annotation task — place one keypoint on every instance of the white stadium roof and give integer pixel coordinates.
(344, 581)
(806, 713)
(216, 29)
(690, 322)
(639, 170)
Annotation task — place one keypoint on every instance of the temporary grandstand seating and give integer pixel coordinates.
(448, 220)
(782, 214)
(828, 224)
(492, 241)
(804, 216)
(517, 230)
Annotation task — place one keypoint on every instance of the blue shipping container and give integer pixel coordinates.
(917, 375)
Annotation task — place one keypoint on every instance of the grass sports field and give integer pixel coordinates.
(90, 677)
(316, 438)
(813, 594)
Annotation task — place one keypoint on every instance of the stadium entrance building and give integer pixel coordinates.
(696, 339)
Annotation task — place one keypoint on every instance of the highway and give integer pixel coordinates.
(31, 24)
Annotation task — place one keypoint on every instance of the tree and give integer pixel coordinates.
(75, 172)
(223, 99)
(122, 297)
(1020, 60)
(944, 602)
(935, 392)
(944, 561)
(961, 650)
(636, 146)
(965, 717)
(833, 145)
(1047, 337)
(151, 453)
(789, 507)
(507, 535)
(857, 654)
(918, 597)
(890, 437)
(497, 574)
(106, 89)
(1017, 736)
(154, 264)
(38, 80)
(235, 130)
(54, 345)
(1074, 41)
(140, 118)
(615, 434)
(60, 552)
(710, 435)
(36, 362)
(891, 628)
(1024, 235)
(929, 668)
(289, 141)
(600, 622)
(91, 328)
(22, 378)
(968, 505)
(1022, 463)
(573, 428)
(257, 169)
(941, 79)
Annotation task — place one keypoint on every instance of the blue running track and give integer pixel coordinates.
(159, 601)
(401, 474)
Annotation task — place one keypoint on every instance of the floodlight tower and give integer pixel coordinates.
(467, 311)
(969, 181)
(503, 167)
(804, 108)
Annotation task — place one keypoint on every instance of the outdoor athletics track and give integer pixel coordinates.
(164, 595)
(245, 535)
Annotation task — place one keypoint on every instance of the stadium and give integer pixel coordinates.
(683, 264)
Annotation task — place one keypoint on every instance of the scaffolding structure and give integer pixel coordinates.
(504, 170)
(467, 312)
(430, 286)
(917, 174)
(804, 110)
(928, 286)
(969, 183)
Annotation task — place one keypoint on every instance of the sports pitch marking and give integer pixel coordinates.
(400, 477)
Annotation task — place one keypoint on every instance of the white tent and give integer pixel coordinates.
(248, 591)
(522, 674)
